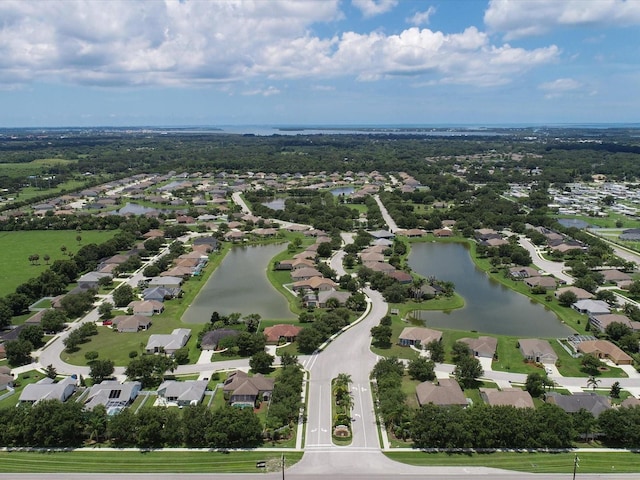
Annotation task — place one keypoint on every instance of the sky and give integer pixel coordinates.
(318, 62)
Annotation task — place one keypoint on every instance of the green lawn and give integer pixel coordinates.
(143, 462)
(16, 247)
(590, 462)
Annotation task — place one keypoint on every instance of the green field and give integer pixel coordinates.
(120, 461)
(16, 247)
(590, 462)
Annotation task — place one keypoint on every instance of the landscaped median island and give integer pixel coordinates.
(341, 403)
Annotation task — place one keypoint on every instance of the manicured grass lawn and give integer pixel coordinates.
(143, 462)
(16, 247)
(397, 325)
(605, 462)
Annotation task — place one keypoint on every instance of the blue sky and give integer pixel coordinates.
(325, 62)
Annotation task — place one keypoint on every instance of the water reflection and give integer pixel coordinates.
(490, 307)
(240, 284)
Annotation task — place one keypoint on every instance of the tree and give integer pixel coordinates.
(421, 369)
(590, 365)
(261, 362)
(385, 366)
(33, 334)
(567, 298)
(616, 330)
(615, 390)
(535, 384)
(288, 359)
(123, 295)
(181, 356)
(18, 352)
(436, 350)
(467, 370)
(324, 250)
(51, 372)
(592, 382)
(46, 258)
(382, 336)
(460, 350)
(100, 370)
(52, 321)
(105, 310)
(105, 281)
(5, 314)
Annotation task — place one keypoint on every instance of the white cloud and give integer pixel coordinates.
(559, 87)
(265, 92)
(177, 43)
(371, 8)
(422, 18)
(523, 18)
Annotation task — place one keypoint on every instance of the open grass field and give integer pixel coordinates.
(119, 461)
(590, 462)
(16, 247)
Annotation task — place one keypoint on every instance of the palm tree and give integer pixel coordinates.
(593, 382)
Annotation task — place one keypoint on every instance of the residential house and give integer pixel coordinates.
(183, 394)
(537, 350)
(591, 307)
(168, 343)
(112, 394)
(402, 277)
(304, 274)
(446, 393)
(324, 296)
(211, 339)
(47, 389)
(416, 336)
(548, 283)
(508, 396)
(243, 390)
(146, 308)
(131, 323)
(482, 346)
(615, 276)
(167, 282)
(591, 402)
(6, 380)
(315, 283)
(380, 267)
(605, 349)
(92, 280)
(601, 322)
(282, 331)
(580, 293)
(443, 232)
(523, 272)
(158, 294)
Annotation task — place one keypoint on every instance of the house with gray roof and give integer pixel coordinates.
(47, 389)
(183, 394)
(482, 346)
(537, 350)
(591, 402)
(112, 394)
(92, 279)
(167, 282)
(416, 336)
(168, 343)
(591, 307)
(210, 340)
(131, 323)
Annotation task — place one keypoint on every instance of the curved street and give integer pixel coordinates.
(347, 353)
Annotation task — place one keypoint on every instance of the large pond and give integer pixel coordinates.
(240, 284)
(489, 307)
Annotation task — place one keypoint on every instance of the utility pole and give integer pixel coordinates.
(282, 463)
(575, 466)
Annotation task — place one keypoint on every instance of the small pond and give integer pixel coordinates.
(490, 307)
(346, 191)
(275, 203)
(240, 284)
